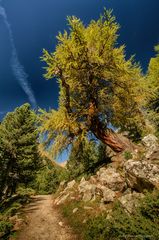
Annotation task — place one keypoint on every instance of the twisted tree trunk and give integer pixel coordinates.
(117, 142)
(111, 139)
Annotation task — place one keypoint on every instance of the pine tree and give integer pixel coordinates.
(18, 149)
(98, 86)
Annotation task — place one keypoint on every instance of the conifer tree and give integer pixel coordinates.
(152, 84)
(99, 87)
(18, 149)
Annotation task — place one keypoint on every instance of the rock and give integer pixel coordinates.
(141, 175)
(87, 196)
(82, 179)
(61, 224)
(86, 186)
(93, 180)
(151, 143)
(108, 194)
(88, 208)
(154, 158)
(130, 201)
(88, 190)
(71, 184)
(84, 221)
(61, 199)
(62, 184)
(111, 178)
(75, 210)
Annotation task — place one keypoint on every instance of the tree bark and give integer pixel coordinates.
(117, 142)
(111, 139)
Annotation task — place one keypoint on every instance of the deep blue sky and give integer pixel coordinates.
(35, 24)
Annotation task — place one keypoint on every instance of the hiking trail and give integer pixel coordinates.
(44, 222)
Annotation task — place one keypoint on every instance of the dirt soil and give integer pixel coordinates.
(43, 221)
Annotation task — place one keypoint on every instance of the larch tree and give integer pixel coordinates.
(152, 83)
(99, 87)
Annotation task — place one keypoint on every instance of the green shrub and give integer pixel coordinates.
(13, 209)
(149, 207)
(5, 226)
(143, 225)
(47, 180)
(128, 155)
(23, 191)
(86, 158)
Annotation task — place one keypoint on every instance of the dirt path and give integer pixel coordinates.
(43, 221)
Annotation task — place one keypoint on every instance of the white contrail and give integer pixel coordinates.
(17, 67)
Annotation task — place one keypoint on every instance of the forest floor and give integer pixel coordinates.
(44, 222)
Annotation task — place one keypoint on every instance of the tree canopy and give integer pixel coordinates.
(153, 87)
(19, 158)
(99, 86)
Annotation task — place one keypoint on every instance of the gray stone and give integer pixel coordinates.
(151, 143)
(130, 201)
(61, 224)
(108, 194)
(82, 179)
(87, 196)
(62, 184)
(88, 208)
(141, 175)
(71, 184)
(88, 190)
(93, 180)
(75, 210)
(111, 178)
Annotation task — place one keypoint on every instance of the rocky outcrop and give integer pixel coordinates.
(125, 181)
(141, 175)
(151, 145)
(87, 189)
(111, 178)
(129, 201)
(107, 194)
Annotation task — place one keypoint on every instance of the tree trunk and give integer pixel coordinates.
(111, 139)
(117, 142)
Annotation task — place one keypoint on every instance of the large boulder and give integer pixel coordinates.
(87, 189)
(130, 201)
(111, 178)
(151, 144)
(141, 175)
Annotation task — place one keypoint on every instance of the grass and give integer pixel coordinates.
(8, 209)
(95, 224)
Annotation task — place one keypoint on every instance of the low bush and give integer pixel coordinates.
(143, 225)
(12, 210)
(128, 155)
(117, 225)
(5, 226)
(23, 191)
